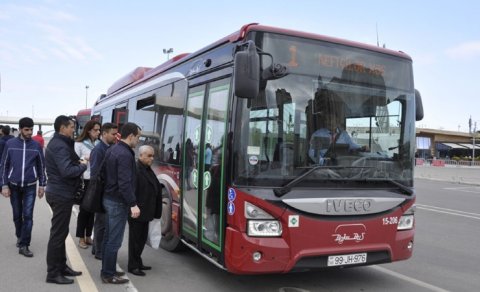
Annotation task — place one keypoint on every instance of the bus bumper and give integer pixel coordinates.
(240, 248)
(277, 256)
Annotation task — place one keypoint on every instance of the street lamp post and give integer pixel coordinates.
(168, 52)
(473, 149)
(86, 96)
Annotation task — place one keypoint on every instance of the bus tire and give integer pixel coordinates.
(169, 241)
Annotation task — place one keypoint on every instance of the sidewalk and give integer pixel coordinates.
(18, 273)
(455, 174)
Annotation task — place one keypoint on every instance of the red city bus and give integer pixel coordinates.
(82, 117)
(254, 179)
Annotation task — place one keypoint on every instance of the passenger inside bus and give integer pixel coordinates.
(212, 200)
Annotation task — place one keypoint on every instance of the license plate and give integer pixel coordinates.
(347, 259)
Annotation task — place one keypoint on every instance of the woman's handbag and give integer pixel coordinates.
(92, 201)
(79, 192)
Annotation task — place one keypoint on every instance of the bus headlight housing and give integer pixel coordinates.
(264, 228)
(254, 212)
(260, 223)
(407, 220)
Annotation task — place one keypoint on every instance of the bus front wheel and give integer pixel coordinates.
(169, 241)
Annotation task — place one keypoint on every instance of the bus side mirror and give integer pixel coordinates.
(247, 72)
(418, 106)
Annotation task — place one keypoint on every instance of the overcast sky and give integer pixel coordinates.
(51, 49)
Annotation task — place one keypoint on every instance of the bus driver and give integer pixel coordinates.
(330, 120)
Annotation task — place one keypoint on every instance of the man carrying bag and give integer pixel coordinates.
(94, 196)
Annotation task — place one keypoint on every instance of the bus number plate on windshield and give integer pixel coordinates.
(348, 259)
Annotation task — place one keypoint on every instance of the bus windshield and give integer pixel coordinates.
(345, 111)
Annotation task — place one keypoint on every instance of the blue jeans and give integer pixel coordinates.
(116, 214)
(23, 201)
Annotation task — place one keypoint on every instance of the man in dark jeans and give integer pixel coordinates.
(22, 165)
(64, 169)
(119, 198)
(108, 137)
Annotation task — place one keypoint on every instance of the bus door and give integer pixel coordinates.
(203, 180)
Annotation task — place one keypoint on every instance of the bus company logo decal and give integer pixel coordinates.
(349, 205)
(349, 232)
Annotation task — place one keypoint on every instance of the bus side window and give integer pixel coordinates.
(170, 121)
(97, 117)
(120, 117)
(144, 114)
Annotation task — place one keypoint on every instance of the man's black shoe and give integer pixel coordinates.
(145, 268)
(119, 273)
(59, 280)
(69, 272)
(98, 258)
(25, 251)
(137, 272)
(114, 280)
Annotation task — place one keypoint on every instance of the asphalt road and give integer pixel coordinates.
(446, 257)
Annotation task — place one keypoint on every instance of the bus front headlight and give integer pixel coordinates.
(407, 220)
(264, 228)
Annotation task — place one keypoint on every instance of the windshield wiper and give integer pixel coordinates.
(401, 186)
(288, 187)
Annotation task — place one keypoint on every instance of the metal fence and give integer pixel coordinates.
(446, 162)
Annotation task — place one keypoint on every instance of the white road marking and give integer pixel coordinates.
(449, 211)
(476, 190)
(85, 281)
(409, 279)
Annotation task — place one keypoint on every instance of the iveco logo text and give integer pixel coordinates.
(348, 205)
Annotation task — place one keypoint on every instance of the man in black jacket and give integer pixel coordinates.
(119, 198)
(64, 169)
(149, 199)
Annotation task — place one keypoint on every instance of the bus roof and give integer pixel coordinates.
(141, 74)
(130, 78)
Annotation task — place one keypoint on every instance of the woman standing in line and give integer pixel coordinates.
(83, 146)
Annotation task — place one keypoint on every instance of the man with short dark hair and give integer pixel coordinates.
(5, 137)
(64, 169)
(23, 164)
(119, 198)
(108, 138)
